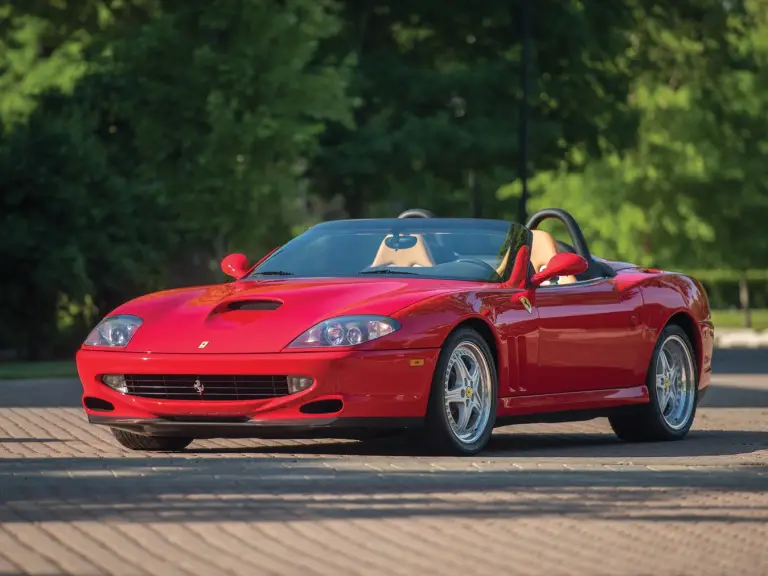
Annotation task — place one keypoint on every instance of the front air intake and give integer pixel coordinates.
(97, 404)
(322, 407)
(211, 387)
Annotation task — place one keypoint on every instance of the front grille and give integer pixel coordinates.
(212, 387)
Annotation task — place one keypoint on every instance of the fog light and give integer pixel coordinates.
(298, 383)
(116, 382)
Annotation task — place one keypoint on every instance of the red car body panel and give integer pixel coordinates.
(380, 384)
(562, 351)
(581, 347)
(177, 321)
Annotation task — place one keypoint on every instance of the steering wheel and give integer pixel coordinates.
(478, 262)
(594, 269)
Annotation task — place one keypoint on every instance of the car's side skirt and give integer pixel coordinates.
(572, 401)
(560, 417)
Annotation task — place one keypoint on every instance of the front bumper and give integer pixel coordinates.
(207, 427)
(372, 387)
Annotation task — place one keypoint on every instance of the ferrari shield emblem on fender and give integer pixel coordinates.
(203, 344)
(526, 303)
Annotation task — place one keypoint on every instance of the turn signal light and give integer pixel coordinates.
(116, 382)
(299, 383)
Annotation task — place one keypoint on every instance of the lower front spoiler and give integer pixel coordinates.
(214, 427)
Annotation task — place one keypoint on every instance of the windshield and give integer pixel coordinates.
(444, 248)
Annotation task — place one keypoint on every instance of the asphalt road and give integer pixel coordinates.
(543, 499)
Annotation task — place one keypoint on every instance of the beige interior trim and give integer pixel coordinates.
(543, 249)
(418, 255)
(503, 266)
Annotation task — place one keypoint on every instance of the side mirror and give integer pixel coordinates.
(235, 265)
(562, 264)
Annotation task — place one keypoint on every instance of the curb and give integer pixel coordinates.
(741, 338)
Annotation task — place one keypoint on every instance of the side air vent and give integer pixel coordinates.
(322, 407)
(254, 305)
(97, 404)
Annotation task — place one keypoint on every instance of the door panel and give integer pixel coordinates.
(588, 335)
(518, 330)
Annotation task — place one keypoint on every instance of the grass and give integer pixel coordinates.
(26, 370)
(735, 318)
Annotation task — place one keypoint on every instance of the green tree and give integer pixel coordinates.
(692, 192)
(437, 90)
(29, 66)
(226, 102)
(188, 131)
(73, 232)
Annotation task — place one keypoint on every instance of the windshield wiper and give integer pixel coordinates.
(387, 271)
(274, 273)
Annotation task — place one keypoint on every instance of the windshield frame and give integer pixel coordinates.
(516, 236)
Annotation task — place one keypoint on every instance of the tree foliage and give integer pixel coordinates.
(71, 226)
(692, 192)
(141, 138)
(186, 135)
(438, 93)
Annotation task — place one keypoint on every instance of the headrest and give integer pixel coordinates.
(417, 255)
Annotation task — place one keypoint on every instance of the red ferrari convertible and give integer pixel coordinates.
(441, 327)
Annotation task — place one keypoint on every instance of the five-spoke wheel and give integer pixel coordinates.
(673, 388)
(467, 384)
(675, 382)
(462, 405)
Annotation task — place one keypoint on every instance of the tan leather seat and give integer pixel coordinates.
(503, 266)
(543, 249)
(417, 255)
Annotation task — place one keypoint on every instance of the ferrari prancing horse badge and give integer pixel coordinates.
(526, 303)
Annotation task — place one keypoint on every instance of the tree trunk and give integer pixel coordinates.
(219, 246)
(475, 205)
(354, 204)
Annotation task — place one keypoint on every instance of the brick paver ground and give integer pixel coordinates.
(545, 499)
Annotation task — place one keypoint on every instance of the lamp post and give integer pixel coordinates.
(523, 130)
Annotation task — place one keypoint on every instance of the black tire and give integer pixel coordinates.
(646, 423)
(150, 443)
(438, 435)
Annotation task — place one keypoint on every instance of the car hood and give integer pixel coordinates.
(236, 317)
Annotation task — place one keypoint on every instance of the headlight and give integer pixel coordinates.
(115, 331)
(346, 331)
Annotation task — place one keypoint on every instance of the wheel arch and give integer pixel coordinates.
(671, 298)
(488, 335)
(462, 311)
(687, 323)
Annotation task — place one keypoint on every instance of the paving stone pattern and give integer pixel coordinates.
(543, 499)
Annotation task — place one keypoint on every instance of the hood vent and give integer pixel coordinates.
(254, 305)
